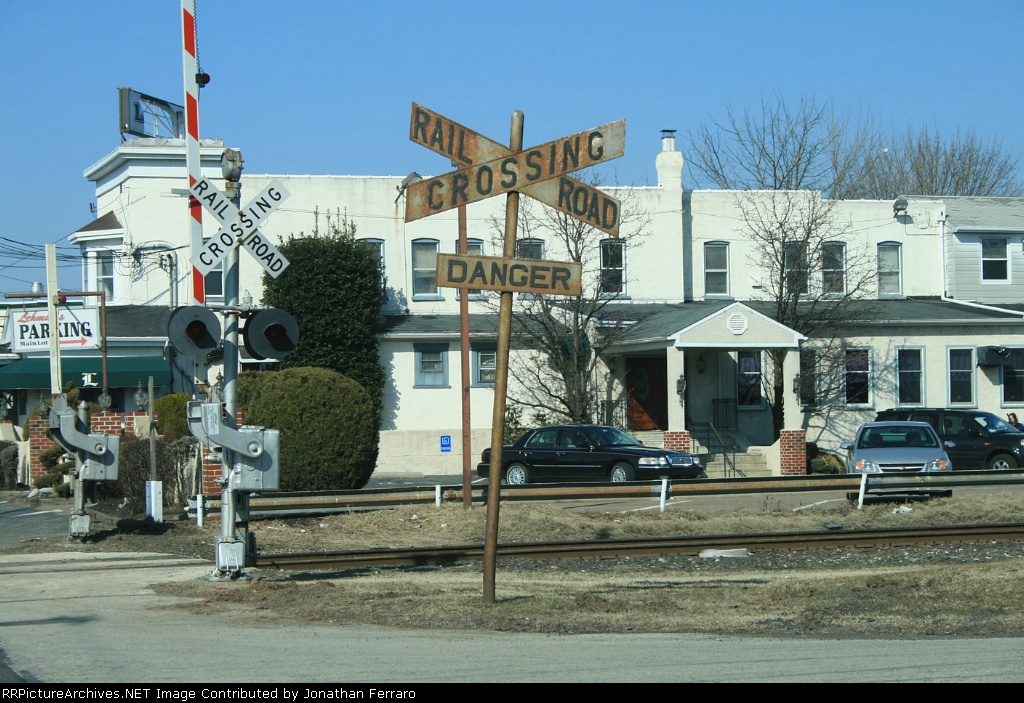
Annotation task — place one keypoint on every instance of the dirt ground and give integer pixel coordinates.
(928, 591)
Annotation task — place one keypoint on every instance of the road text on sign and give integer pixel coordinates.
(515, 275)
(491, 169)
(239, 226)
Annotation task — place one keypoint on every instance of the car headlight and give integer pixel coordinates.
(938, 465)
(653, 461)
(867, 467)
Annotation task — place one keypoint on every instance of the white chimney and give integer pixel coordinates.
(669, 162)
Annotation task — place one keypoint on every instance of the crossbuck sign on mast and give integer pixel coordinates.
(239, 226)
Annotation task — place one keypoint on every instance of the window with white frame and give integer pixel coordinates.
(613, 267)
(424, 268)
(890, 280)
(808, 386)
(105, 273)
(748, 378)
(474, 247)
(1013, 377)
(431, 365)
(213, 282)
(795, 263)
(485, 364)
(530, 249)
(910, 376)
(858, 376)
(995, 262)
(961, 376)
(833, 268)
(716, 268)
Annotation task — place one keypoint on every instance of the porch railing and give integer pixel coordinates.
(716, 444)
(724, 414)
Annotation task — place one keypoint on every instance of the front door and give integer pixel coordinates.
(647, 401)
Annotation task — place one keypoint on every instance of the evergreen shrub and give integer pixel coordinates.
(328, 425)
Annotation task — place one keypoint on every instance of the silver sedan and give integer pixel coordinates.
(896, 447)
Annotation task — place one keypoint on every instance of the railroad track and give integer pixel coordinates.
(612, 549)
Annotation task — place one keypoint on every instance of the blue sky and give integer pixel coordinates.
(325, 87)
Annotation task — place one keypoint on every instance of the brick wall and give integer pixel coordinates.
(101, 423)
(793, 452)
(678, 441)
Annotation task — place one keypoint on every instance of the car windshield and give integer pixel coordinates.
(611, 437)
(897, 436)
(993, 424)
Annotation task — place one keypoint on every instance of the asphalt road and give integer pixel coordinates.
(20, 522)
(61, 624)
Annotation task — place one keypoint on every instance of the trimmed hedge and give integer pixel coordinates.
(328, 425)
(170, 411)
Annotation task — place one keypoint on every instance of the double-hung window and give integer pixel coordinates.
(961, 376)
(910, 376)
(1013, 377)
(890, 280)
(808, 386)
(858, 376)
(474, 247)
(795, 263)
(716, 268)
(748, 379)
(833, 268)
(424, 269)
(485, 364)
(530, 249)
(995, 264)
(105, 273)
(613, 268)
(431, 365)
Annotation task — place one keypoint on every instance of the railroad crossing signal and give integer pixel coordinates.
(490, 168)
(239, 226)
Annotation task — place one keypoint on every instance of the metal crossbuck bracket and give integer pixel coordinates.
(204, 421)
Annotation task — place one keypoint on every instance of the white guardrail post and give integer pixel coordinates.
(664, 492)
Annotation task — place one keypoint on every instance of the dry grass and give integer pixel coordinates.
(874, 594)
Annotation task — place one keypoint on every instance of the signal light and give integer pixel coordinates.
(194, 331)
(270, 334)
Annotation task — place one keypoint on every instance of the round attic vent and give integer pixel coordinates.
(737, 323)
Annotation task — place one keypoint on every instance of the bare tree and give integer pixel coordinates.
(813, 145)
(560, 338)
(923, 163)
(815, 274)
(777, 146)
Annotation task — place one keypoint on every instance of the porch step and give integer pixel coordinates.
(752, 463)
(650, 438)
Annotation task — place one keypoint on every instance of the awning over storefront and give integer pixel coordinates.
(86, 372)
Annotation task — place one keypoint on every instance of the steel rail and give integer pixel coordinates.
(309, 503)
(683, 545)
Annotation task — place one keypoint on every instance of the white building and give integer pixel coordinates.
(938, 279)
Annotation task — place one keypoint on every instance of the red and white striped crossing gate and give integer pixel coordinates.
(190, 69)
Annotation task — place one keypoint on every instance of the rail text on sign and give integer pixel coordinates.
(516, 275)
(489, 168)
(240, 226)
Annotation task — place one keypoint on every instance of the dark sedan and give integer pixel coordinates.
(587, 453)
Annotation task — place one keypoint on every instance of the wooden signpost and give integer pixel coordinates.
(488, 169)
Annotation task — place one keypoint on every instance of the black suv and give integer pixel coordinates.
(982, 440)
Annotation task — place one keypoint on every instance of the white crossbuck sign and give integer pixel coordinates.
(239, 226)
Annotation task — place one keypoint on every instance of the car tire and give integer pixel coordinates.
(622, 472)
(516, 475)
(1002, 462)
